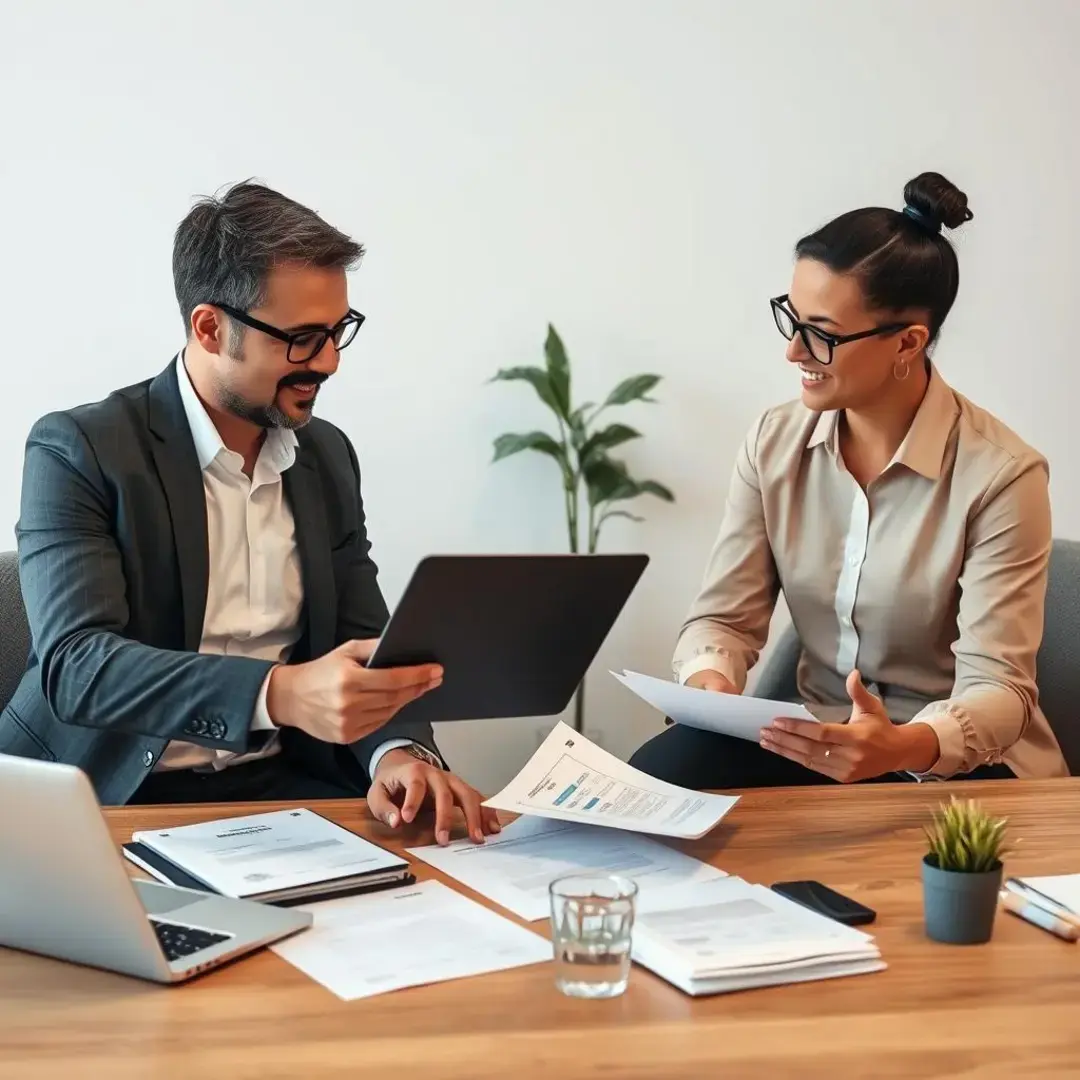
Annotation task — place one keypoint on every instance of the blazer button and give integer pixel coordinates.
(148, 759)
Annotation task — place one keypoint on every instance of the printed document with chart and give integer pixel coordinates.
(572, 779)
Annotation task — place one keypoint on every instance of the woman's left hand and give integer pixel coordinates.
(868, 745)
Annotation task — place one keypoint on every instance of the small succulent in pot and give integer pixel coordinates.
(962, 872)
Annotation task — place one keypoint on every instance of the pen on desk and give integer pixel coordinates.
(1039, 916)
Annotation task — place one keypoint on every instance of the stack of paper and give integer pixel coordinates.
(726, 934)
(280, 856)
(573, 779)
(515, 868)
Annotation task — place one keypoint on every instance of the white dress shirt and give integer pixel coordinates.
(254, 596)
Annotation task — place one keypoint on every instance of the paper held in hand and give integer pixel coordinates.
(728, 714)
(572, 779)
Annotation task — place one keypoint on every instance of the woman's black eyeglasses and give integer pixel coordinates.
(820, 344)
(304, 345)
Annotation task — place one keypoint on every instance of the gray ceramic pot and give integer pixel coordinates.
(959, 908)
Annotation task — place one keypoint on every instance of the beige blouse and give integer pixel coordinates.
(932, 582)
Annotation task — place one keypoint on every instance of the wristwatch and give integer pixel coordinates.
(423, 754)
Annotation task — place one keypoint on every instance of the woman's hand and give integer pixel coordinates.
(868, 745)
(711, 680)
(708, 680)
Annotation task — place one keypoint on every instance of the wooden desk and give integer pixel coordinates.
(1007, 1009)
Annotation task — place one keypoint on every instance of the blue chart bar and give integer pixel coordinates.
(566, 794)
(591, 803)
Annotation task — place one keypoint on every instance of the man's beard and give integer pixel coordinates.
(270, 416)
(264, 416)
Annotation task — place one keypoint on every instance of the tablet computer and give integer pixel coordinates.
(515, 634)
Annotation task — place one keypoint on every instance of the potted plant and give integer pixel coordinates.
(580, 447)
(961, 873)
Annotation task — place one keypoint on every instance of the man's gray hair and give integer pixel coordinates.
(226, 246)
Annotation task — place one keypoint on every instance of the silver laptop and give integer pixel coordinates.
(64, 890)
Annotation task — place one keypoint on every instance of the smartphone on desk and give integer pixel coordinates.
(826, 901)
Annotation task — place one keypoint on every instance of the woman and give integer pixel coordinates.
(908, 528)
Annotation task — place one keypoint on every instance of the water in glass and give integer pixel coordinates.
(592, 919)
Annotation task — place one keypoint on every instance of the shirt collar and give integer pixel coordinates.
(279, 449)
(825, 431)
(923, 448)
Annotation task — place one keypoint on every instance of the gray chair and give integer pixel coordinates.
(1058, 671)
(1057, 662)
(15, 632)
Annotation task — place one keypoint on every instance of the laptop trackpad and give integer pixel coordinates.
(158, 899)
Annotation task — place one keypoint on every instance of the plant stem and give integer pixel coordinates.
(571, 519)
(570, 489)
(579, 697)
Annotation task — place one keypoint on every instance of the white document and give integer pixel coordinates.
(366, 945)
(266, 853)
(725, 935)
(515, 868)
(1064, 888)
(730, 923)
(573, 779)
(728, 714)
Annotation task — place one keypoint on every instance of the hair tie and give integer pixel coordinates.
(923, 219)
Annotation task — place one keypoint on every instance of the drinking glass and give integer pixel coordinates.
(592, 918)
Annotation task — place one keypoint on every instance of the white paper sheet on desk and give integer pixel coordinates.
(366, 945)
(573, 779)
(728, 714)
(515, 868)
(1064, 888)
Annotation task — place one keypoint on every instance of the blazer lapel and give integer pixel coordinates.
(303, 489)
(181, 477)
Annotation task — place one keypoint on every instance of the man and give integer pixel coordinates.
(194, 557)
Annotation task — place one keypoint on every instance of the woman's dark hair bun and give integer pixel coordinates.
(901, 259)
(938, 199)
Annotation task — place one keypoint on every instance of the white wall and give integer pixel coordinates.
(635, 172)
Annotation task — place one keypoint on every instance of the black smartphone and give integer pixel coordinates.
(826, 901)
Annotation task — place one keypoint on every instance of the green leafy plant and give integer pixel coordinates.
(595, 485)
(965, 839)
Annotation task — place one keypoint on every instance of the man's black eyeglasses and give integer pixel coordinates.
(820, 344)
(303, 345)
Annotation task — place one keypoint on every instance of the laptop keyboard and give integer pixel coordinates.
(179, 941)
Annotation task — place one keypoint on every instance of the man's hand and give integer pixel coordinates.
(711, 680)
(336, 699)
(403, 785)
(868, 745)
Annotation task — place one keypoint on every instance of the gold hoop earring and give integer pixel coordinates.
(901, 371)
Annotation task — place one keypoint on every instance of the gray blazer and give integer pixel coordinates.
(113, 561)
